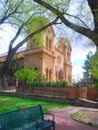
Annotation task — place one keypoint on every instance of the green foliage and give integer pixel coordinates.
(95, 85)
(90, 124)
(13, 9)
(40, 77)
(9, 103)
(48, 84)
(74, 114)
(26, 74)
(87, 67)
(38, 40)
(33, 24)
(61, 84)
(88, 78)
(94, 65)
(91, 69)
(59, 4)
(36, 84)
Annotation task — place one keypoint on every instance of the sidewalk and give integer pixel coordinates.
(64, 122)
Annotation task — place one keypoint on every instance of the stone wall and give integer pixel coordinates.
(72, 101)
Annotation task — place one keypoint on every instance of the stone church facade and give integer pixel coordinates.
(50, 59)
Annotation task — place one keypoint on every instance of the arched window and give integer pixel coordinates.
(47, 74)
(50, 74)
(48, 42)
(56, 75)
(61, 75)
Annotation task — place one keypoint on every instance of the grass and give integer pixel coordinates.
(76, 114)
(9, 103)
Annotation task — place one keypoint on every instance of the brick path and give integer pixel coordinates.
(64, 122)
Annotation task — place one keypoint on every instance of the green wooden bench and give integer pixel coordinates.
(31, 118)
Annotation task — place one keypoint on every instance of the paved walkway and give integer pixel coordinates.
(64, 122)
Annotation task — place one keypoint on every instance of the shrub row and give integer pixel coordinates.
(48, 84)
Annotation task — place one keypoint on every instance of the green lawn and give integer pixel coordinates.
(9, 103)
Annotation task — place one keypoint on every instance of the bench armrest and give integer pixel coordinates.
(50, 115)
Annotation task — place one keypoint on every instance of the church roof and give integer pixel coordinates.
(19, 50)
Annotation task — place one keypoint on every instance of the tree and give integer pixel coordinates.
(94, 65)
(86, 67)
(16, 14)
(26, 74)
(88, 79)
(12, 67)
(65, 17)
(91, 67)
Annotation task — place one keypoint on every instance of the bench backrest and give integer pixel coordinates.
(34, 113)
(10, 117)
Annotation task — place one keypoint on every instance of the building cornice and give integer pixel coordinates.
(39, 50)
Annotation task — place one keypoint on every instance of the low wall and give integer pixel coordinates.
(59, 99)
(8, 88)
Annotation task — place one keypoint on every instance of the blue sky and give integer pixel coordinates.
(79, 52)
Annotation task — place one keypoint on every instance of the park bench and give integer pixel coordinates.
(31, 118)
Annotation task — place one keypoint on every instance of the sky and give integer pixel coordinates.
(78, 57)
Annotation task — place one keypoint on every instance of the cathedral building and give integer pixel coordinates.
(53, 60)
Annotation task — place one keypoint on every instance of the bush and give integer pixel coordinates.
(36, 84)
(26, 74)
(95, 85)
(48, 84)
(40, 77)
(61, 84)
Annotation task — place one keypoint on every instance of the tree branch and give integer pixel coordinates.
(93, 4)
(38, 31)
(13, 50)
(6, 16)
(79, 29)
(16, 36)
(76, 17)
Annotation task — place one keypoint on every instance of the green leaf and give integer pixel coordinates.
(26, 74)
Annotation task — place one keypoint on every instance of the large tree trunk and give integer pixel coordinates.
(5, 66)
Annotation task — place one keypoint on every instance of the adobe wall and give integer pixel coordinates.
(72, 101)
